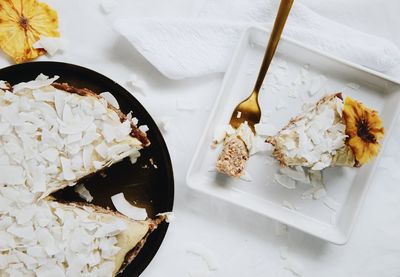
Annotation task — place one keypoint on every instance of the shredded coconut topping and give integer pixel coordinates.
(313, 138)
(52, 138)
(49, 139)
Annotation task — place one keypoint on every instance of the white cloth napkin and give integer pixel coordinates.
(190, 47)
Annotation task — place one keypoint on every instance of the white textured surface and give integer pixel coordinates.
(246, 245)
(204, 44)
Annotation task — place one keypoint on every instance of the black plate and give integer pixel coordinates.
(142, 183)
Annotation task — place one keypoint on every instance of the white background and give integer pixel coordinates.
(244, 244)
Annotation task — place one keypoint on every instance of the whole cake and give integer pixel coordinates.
(51, 136)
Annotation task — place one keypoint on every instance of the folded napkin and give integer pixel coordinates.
(190, 47)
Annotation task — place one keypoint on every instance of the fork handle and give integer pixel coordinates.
(280, 20)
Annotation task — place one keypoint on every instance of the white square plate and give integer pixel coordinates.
(297, 75)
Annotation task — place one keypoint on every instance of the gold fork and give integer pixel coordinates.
(249, 109)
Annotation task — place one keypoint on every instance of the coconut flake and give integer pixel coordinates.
(206, 254)
(316, 84)
(331, 204)
(137, 84)
(285, 181)
(3, 85)
(102, 150)
(164, 123)
(144, 128)
(11, 175)
(83, 192)
(246, 135)
(169, 216)
(21, 231)
(288, 205)
(221, 131)
(110, 229)
(110, 99)
(294, 267)
(319, 193)
(280, 104)
(67, 170)
(246, 176)
(354, 86)
(333, 218)
(41, 81)
(125, 208)
(51, 44)
(297, 173)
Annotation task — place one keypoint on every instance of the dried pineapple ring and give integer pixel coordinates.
(22, 22)
(364, 129)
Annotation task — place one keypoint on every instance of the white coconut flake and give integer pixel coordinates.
(281, 229)
(107, 6)
(331, 204)
(288, 205)
(67, 170)
(52, 45)
(294, 267)
(246, 135)
(316, 84)
(83, 192)
(285, 181)
(319, 193)
(354, 86)
(169, 216)
(280, 104)
(164, 123)
(110, 99)
(221, 132)
(297, 173)
(21, 231)
(102, 150)
(137, 84)
(126, 208)
(144, 128)
(12, 175)
(332, 218)
(283, 250)
(246, 176)
(35, 84)
(3, 85)
(260, 146)
(206, 254)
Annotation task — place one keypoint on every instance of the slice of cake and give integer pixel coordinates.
(236, 150)
(52, 135)
(332, 132)
(48, 238)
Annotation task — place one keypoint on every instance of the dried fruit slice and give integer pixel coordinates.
(22, 22)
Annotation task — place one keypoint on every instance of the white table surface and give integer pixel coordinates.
(244, 244)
